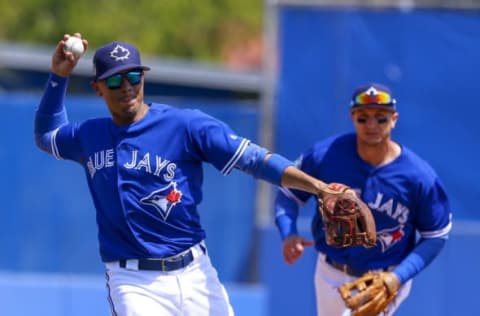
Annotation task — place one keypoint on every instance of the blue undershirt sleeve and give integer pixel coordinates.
(51, 112)
(253, 162)
(273, 169)
(286, 213)
(422, 255)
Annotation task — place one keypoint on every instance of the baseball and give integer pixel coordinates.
(75, 45)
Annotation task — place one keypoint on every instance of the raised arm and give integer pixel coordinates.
(51, 113)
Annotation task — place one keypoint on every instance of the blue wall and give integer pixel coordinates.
(428, 57)
(48, 234)
(48, 219)
(430, 60)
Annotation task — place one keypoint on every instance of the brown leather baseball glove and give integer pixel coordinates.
(348, 220)
(370, 294)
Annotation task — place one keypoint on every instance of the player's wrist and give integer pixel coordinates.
(392, 281)
(273, 170)
(58, 77)
(335, 188)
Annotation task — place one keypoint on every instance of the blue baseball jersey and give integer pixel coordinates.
(406, 197)
(146, 178)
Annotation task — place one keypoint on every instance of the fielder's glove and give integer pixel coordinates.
(348, 221)
(370, 294)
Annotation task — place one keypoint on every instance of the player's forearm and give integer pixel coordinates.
(294, 178)
(421, 256)
(280, 171)
(54, 94)
(260, 163)
(51, 112)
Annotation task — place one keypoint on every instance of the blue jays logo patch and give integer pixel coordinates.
(164, 199)
(120, 53)
(390, 236)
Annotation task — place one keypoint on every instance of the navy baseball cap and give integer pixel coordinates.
(115, 57)
(373, 95)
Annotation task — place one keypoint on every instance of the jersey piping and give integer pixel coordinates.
(232, 162)
(55, 151)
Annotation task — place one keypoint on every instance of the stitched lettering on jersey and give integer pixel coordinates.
(158, 163)
(153, 164)
(101, 159)
(164, 199)
(388, 237)
(392, 208)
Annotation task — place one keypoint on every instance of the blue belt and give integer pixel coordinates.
(164, 265)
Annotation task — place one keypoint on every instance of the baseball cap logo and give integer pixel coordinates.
(373, 95)
(116, 57)
(372, 91)
(120, 53)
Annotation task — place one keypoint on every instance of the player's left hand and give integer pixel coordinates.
(348, 220)
(293, 248)
(370, 294)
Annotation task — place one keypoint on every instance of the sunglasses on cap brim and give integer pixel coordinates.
(379, 98)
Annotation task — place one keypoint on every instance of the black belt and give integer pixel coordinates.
(344, 268)
(165, 265)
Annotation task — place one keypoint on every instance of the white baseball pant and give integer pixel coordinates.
(330, 303)
(191, 291)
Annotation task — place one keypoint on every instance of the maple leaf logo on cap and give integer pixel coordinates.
(120, 53)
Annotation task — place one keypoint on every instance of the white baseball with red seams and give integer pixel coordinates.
(74, 45)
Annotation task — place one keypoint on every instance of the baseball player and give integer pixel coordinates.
(403, 192)
(143, 167)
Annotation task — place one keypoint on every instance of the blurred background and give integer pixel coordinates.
(278, 72)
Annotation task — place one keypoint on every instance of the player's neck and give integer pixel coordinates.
(130, 118)
(379, 154)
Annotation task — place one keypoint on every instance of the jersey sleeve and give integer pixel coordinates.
(216, 143)
(65, 143)
(434, 217)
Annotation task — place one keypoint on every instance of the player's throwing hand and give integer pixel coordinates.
(63, 62)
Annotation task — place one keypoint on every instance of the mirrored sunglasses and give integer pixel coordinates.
(380, 97)
(379, 120)
(115, 81)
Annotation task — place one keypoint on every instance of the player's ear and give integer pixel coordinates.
(96, 88)
(351, 115)
(394, 119)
